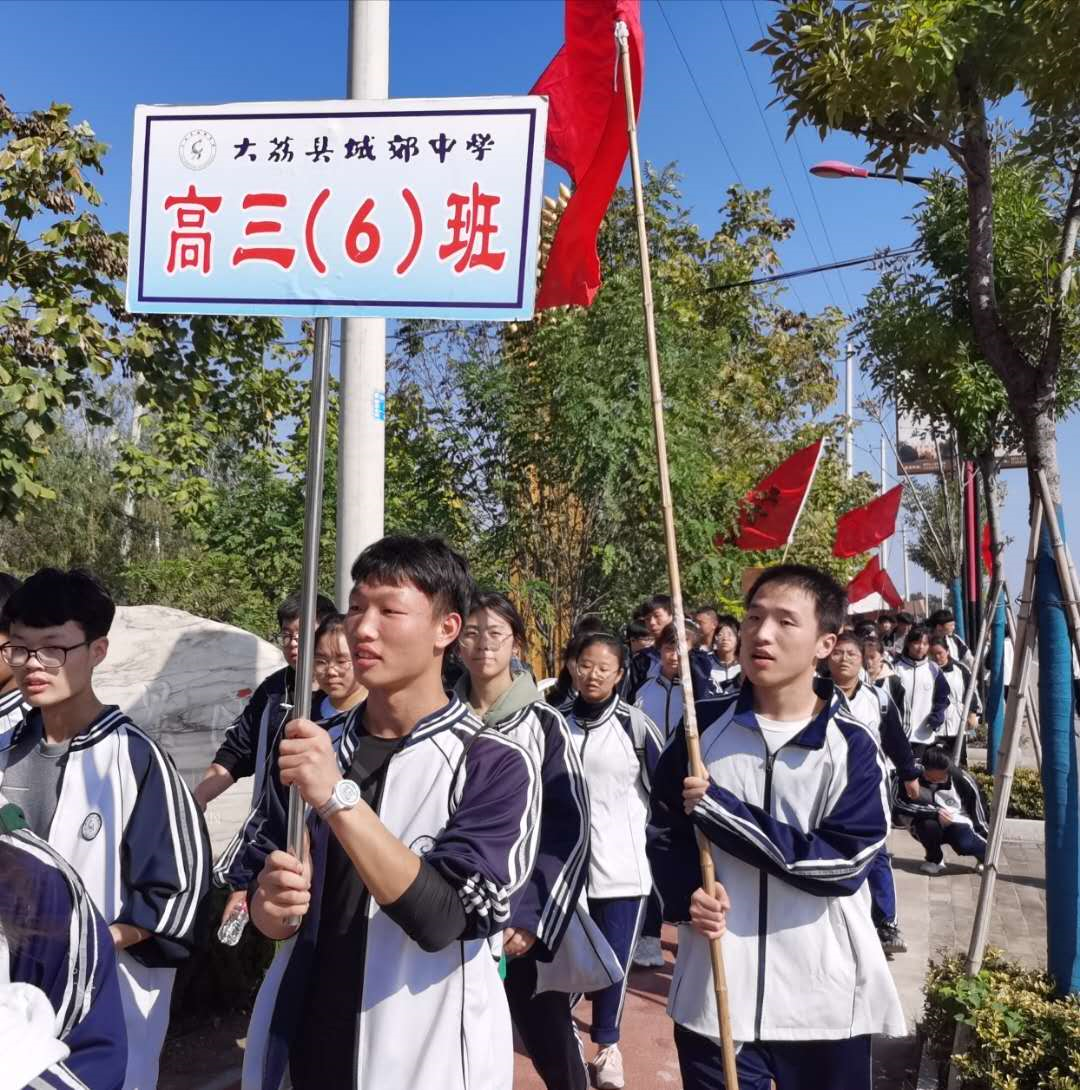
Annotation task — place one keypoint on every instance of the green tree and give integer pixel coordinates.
(923, 75)
(549, 423)
(206, 385)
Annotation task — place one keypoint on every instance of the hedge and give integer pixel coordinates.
(1023, 1037)
(1026, 798)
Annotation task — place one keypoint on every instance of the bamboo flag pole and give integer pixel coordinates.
(697, 768)
(1003, 779)
(802, 502)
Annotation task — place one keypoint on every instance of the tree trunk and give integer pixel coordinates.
(1060, 771)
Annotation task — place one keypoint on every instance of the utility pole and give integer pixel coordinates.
(361, 418)
(884, 549)
(849, 404)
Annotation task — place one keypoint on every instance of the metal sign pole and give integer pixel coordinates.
(309, 583)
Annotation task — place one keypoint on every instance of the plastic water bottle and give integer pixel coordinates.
(230, 931)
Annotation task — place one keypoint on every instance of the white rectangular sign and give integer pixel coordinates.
(402, 208)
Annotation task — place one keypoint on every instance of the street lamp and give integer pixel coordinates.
(834, 168)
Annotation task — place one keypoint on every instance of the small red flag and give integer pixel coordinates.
(869, 525)
(874, 579)
(987, 552)
(862, 586)
(587, 137)
(770, 511)
(887, 589)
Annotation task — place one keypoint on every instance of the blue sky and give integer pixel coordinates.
(106, 56)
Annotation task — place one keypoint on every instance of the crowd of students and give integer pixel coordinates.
(481, 851)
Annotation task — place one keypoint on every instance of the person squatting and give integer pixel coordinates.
(480, 855)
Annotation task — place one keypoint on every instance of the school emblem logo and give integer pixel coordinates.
(91, 826)
(197, 149)
(422, 845)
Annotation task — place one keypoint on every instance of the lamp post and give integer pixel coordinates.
(835, 168)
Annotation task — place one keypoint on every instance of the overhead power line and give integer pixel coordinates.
(884, 255)
(701, 96)
(772, 145)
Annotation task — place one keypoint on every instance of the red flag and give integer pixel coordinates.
(987, 552)
(874, 579)
(770, 511)
(863, 585)
(885, 587)
(587, 137)
(869, 525)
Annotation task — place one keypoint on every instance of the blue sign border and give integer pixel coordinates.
(295, 302)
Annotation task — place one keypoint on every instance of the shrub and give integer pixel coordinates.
(1023, 1037)
(1026, 797)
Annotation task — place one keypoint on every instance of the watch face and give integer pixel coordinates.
(347, 792)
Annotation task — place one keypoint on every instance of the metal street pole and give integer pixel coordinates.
(361, 427)
(849, 402)
(884, 485)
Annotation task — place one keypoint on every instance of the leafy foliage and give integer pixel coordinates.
(1026, 797)
(1023, 1037)
(210, 386)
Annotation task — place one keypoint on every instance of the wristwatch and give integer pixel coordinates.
(345, 796)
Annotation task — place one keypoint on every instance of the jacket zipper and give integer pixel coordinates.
(763, 902)
(365, 902)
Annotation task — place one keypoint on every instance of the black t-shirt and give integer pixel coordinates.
(322, 1053)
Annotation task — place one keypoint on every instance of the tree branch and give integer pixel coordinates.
(1051, 360)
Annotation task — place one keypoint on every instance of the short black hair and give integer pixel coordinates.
(886, 616)
(500, 604)
(660, 601)
(589, 622)
(915, 633)
(937, 759)
(429, 563)
(52, 597)
(710, 610)
(873, 643)
(830, 601)
(289, 610)
(939, 641)
(850, 637)
(331, 624)
(865, 629)
(598, 639)
(669, 636)
(636, 630)
(727, 620)
(8, 585)
(903, 617)
(941, 616)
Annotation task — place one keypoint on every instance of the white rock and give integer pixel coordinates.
(184, 679)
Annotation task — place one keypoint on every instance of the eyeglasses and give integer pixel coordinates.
(852, 656)
(484, 638)
(601, 673)
(341, 665)
(285, 638)
(50, 657)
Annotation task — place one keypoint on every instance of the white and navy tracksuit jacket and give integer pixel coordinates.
(619, 746)
(661, 699)
(725, 677)
(68, 954)
(468, 800)
(959, 795)
(922, 695)
(793, 835)
(875, 708)
(242, 859)
(128, 825)
(958, 677)
(248, 746)
(13, 709)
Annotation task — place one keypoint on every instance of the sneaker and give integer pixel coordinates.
(931, 869)
(892, 942)
(648, 954)
(607, 1069)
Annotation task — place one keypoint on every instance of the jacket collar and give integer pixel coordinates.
(589, 716)
(812, 736)
(449, 715)
(104, 724)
